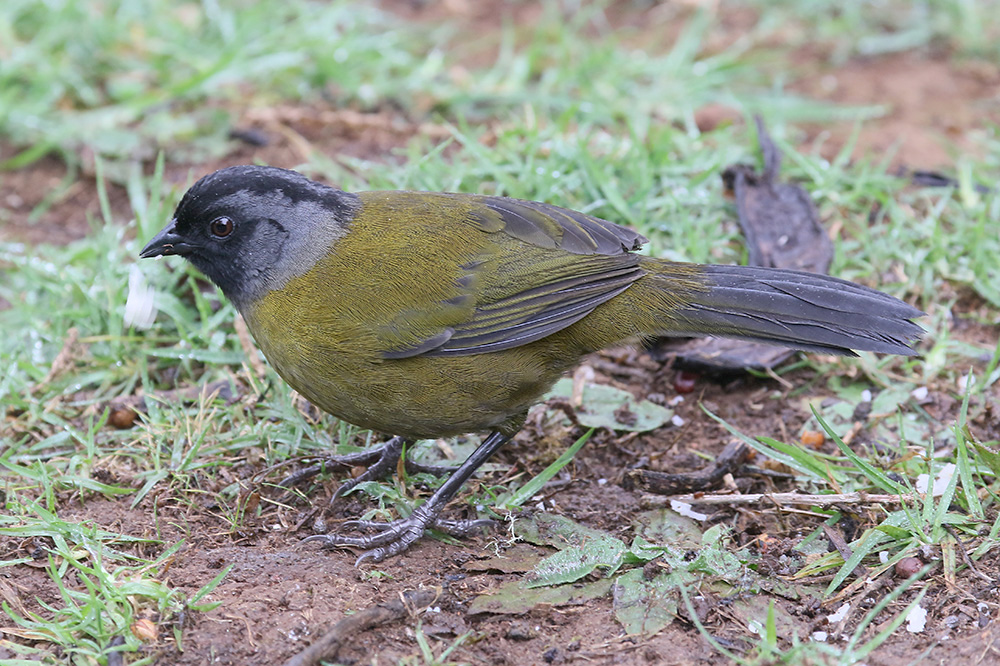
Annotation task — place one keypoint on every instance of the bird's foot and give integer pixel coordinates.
(381, 461)
(393, 538)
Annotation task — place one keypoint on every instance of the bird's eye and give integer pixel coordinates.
(221, 227)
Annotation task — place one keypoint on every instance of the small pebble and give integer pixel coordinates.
(908, 566)
(839, 614)
(916, 620)
(520, 631)
(122, 417)
(813, 439)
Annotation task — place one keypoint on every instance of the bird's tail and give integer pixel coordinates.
(784, 307)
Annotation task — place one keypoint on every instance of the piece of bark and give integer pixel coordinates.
(778, 219)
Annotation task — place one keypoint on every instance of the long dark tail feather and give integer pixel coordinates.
(801, 310)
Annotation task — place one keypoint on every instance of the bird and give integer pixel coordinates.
(430, 314)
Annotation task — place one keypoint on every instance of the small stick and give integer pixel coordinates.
(351, 626)
(840, 543)
(783, 498)
(661, 483)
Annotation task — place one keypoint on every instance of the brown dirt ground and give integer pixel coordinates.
(937, 106)
(282, 594)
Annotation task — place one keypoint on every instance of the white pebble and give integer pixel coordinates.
(963, 382)
(940, 483)
(916, 620)
(839, 614)
(684, 509)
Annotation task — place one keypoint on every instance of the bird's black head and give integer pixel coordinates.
(250, 229)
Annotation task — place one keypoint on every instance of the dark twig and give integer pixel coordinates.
(965, 556)
(661, 483)
(840, 543)
(326, 648)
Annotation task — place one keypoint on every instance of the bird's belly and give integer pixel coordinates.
(419, 397)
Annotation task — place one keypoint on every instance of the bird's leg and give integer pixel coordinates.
(395, 537)
(380, 460)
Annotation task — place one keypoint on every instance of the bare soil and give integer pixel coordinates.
(936, 107)
(282, 594)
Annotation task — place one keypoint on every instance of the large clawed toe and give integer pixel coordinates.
(369, 525)
(381, 462)
(462, 528)
(391, 539)
(456, 528)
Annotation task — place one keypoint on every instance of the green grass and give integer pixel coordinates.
(878, 27)
(101, 594)
(135, 78)
(567, 112)
(130, 78)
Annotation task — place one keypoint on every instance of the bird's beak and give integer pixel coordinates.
(166, 242)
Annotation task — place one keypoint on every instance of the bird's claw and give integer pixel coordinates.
(362, 525)
(393, 538)
(380, 461)
(462, 528)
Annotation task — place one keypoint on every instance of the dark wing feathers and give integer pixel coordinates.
(536, 313)
(424, 346)
(567, 291)
(547, 226)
